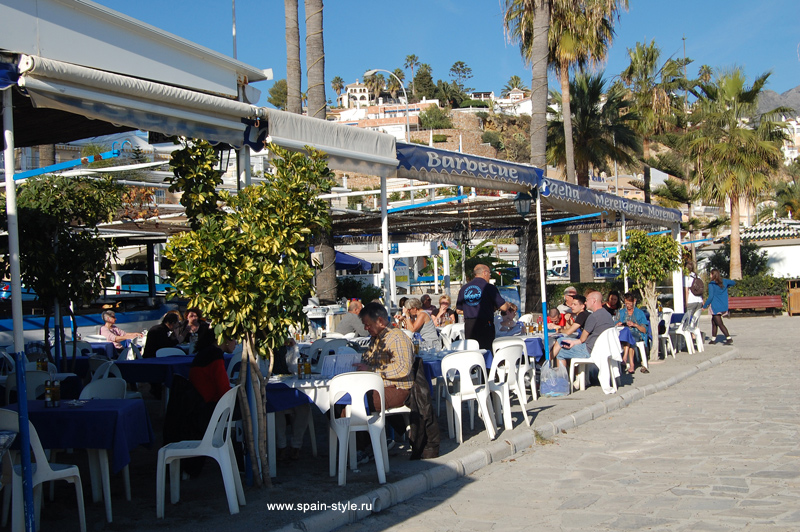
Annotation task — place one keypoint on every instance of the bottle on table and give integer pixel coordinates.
(56, 394)
(301, 368)
(48, 394)
(415, 341)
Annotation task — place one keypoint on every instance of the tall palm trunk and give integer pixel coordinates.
(584, 239)
(293, 71)
(315, 59)
(47, 155)
(569, 147)
(736, 241)
(646, 171)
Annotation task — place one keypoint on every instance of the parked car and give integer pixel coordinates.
(132, 283)
(608, 274)
(28, 294)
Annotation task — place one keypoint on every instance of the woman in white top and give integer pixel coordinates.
(420, 321)
(694, 303)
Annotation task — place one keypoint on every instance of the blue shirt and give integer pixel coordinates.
(478, 299)
(718, 296)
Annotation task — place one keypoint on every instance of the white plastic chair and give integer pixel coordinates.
(444, 334)
(503, 379)
(526, 372)
(7, 361)
(43, 472)
(356, 419)
(686, 329)
(82, 348)
(604, 355)
(456, 332)
(327, 345)
(170, 352)
(34, 382)
(457, 369)
(527, 318)
(217, 444)
(234, 367)
(409, 333)
(465, 345)
(112, 388)
(665, 339)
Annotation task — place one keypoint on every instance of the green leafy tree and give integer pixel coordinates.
(423, 83)
(248, 268)
(277, 94)
(787, 198)
(337, 84)
(649, 260)
(62, 257)
(350, 287)
(754, 260)
(435, 118)
(375, 84)
(194, 174)
(460, 73)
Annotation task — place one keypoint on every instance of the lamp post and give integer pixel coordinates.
(522, 202)
(461, 234)
(402, 86)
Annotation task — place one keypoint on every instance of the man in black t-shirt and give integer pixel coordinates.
(478, 300)
(579, 316)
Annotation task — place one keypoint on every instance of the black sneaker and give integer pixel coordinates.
(728, 341)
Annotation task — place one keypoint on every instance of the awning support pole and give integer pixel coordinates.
(387, 298)
(573, 218)
(624, 241)
(67, 164)
(542, 280)
(16, 309)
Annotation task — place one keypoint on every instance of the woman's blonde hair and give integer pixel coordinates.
(445, 298)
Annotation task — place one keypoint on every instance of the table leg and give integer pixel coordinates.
(271, 451)
(102, 457)
(94, 475)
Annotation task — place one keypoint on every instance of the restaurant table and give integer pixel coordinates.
(71, 386)
(105, 349)
(115, 425)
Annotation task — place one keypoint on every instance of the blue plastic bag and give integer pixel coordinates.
(553, 381)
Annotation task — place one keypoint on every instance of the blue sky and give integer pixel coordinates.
(360, 35)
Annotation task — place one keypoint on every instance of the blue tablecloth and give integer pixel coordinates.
(281, 397)
(105, 349)
(534, 346)
(155, 369)
(117, 425)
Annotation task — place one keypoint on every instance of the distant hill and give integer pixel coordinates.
(770, 100)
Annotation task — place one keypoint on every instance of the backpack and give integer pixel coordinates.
(697, 287)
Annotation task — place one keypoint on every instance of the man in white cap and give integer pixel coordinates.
(567, 306)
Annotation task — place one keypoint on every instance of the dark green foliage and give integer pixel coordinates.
(482, 115)
(278, 94)
(350, 287)
(419, 141)
(760, 285)
(754, 260)
(474, 103)
(195, 175)
(493, 138)
(440, 138)
(423, 84)
(435, 118)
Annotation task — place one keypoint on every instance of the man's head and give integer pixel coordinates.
(569, 292)
(482, 271)
(425, 300)
(375, 318)
(354, 306)
(170, 320)
(577, 304)
(594, 300)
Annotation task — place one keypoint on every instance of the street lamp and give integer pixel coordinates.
(522, 201)
(462, 233)
(402, 86)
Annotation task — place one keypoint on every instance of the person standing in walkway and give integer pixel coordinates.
(718, 301)
(694, 302)
(478, 300)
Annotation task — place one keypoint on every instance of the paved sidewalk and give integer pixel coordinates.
(719, 451)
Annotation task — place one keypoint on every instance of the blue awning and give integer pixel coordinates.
(345, 261)
(453, 168)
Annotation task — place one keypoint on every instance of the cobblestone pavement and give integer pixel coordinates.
(717, 452)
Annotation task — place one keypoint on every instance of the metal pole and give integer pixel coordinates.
(542, 280)
(387, 297)
(624, 240)
(16, 309)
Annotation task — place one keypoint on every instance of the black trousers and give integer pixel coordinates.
(481, 330)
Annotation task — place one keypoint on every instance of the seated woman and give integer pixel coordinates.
(636, 321)
(208, 374)
(192, 325)
(508, 325)
(400, 315)
(444, 315)
(613, 304)
(419, 321)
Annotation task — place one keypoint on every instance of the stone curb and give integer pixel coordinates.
(394, 493)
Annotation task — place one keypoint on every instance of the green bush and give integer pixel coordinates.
(440, 138)
(435, 118)
(483, 115)
(493, 138)
(349, 287)
(754, 260)
(760, 285)
(419, 141)
(474, 103)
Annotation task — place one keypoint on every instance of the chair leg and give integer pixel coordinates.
(377, 450)
(488, 418)
(126, 478)
(237, 479)
(79, 497)
(161, 473)
(273, 462)
(102, 457)
(224, 460)
(312, 435)
(344, 443)
(175, 481)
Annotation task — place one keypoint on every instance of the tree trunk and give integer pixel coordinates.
(585, 247)
(256, 450)
(574, 259)
(326, 277)
(539, 50)
(315, 59)
(646, 171)
(736, 241)
(293, 71)
(569, 148)
(533, 292)
(651, 302)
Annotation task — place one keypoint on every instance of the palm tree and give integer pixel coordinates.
(393, 85)
(315, 64)
(412, 62)
(375, 84)
(293, 70)
(514, 82)
(526, 23)
(654, 91)
(337, 84)
(735, 159)
(787, 197)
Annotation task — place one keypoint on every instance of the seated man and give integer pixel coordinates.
(576, 320)
(569, 292)
(351, 323)
(596, 323)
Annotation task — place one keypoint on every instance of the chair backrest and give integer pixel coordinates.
(34, 366)
(527, 318)
(456, 332)
(81, 348)
(444, 334)
(104, 389)
(513, 340)
(219, 427)
(7, 361)
(9, 420)
(328, 345)
(357, 384)
(465, 345)
(346, 350)
(34, 382)
(666, 315)
(607, 345)
(234, 365)
(107, 369)
(505, 361)
(95, 362)
(464, 363)
(169, 352)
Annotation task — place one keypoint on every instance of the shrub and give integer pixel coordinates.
(435, 118)
(483, 115)
(760, 285)
(350, 287)
(474, 103)
(440, 138)
(754, 260)
(493, 138)
(419, 141)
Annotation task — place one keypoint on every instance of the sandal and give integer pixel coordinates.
(644, 370)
